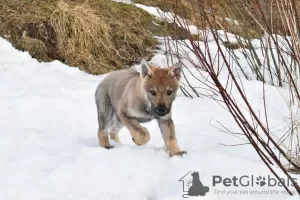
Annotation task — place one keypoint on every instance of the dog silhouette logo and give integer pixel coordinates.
(192, 186)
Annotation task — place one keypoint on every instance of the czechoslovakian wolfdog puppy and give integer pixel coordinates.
(128, 98)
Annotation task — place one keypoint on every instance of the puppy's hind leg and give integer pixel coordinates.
(115, 129)
(103, 132)
(103, 139)
(104, 111)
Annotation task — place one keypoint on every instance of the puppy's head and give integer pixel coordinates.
(160, 86)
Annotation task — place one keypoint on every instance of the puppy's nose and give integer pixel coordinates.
(161, 109)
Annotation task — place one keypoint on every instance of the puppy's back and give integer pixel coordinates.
(116, 84)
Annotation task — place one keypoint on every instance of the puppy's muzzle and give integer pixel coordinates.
(161, 110)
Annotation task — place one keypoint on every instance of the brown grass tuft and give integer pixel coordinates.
(83, 37)
(96, 35)
(35, 47)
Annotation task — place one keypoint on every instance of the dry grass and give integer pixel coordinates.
(240, 17)
(35, 47)
(83, 37)
(223, 9)
(244, 18)
(96, 35)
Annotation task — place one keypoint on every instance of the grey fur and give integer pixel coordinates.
(119, 93)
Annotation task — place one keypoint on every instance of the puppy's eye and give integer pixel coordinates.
(152, 92)
(169, 92)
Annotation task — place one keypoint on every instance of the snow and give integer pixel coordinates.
(123, 1)
(49, 147)
(295, 197)
(168, 16)
(156, 11)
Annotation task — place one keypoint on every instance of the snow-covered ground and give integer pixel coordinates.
(49, 148)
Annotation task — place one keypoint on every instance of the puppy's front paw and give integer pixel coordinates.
(141, 137)
(177, 153)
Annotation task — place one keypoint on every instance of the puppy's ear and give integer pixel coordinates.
(146, 70)
(175, 70)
